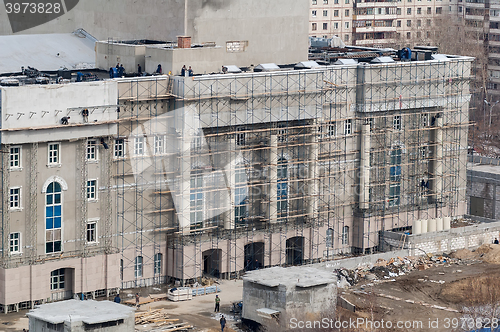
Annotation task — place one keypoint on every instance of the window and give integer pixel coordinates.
(119, 151)
(408, 23)
(196, 200)
(439, 10)
(325, 2)
(313, 13)
(282, 174)
(395, 177)
(314, 27)
(92, 232)
(396, 122)
(240, 136)
(92, 150)
(336, 25)
(429, 22)
(53, 218)
(424, 119)
(408, 11)
(345, 235)
(336, 2)
(15, 198)
(419, 23)
(15, 243)
(139, 146)
(329, 238)
(92, 190)
(325, 26)
(325, 13)
(57, 279)
(346, 37)
(347, 25)
(196, 142)
(348, 127)
(398, 23)
(314, 2)
(419, 34)
(240, 194)
(332, 129)
(347, 12)
(159, 144)
(408, 35)
(347, 2)
(138, 267)
(158, 260)
(429, 10)
(15, 157)
(336, 13)
(398, 11)
(419, 10)
(54, 157)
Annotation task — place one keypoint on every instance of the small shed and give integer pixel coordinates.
(79, 316)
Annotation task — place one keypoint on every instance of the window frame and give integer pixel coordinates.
(92, 153)
(157, 266)
(139, 146)
(95, 192)
(119, 148)
(18, 245)
(19, 198)
(138, 267)
(19, 157)
(54, 160)
(348, 127)
(57, 280)
(93, 230)
(54, 231)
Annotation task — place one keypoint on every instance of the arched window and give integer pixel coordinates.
(158, 260)
(282, 174)
(329, 238)
(345, 235)
(138, 267)
(240, 194)
(53, 218)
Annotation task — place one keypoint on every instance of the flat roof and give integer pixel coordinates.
(88, 312)
(492, 169)
(299, 276)
(47, 52)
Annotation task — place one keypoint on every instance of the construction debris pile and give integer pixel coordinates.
(383, 270)
(158, 320)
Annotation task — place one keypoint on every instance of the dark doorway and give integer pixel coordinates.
(211, 262)
(295, 250)
(254, 256)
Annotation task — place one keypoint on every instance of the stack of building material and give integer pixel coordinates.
(160, 321)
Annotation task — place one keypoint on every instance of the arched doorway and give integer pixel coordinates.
(254, 256)
(62, 284)
(211, 262)
(295, 250)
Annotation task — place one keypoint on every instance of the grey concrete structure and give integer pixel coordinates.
(274, 296)
(483, 188)
(79, 316)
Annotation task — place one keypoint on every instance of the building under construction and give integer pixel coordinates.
(139, 181)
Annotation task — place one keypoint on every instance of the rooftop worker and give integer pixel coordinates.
(65, 120)
(183, 70)
(224, 69)
(190, 71)
(139, 69)
(85, 114)
(117, 298)
(159, 70)
(496, 241)
(111, 72)
(121, 71)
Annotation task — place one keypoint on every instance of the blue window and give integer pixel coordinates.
(282, 188)
(395, 177)
(240, 195)
(53, 218)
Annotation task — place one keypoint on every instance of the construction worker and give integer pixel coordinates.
(217, 303)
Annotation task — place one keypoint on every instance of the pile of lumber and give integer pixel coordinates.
(159, 319)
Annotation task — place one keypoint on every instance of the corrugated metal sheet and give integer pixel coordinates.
(47, 52)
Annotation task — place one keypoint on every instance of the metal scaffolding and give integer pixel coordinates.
(219, 174)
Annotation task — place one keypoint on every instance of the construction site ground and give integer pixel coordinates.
(198, 312)
(431, 290)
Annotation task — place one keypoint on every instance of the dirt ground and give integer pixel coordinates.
(432, 297)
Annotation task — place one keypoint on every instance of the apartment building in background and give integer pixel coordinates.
(377, 23)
